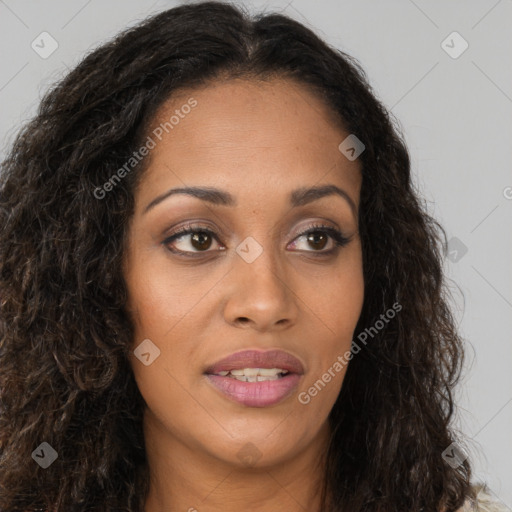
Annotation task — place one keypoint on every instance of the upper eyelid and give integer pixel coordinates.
(188, 229)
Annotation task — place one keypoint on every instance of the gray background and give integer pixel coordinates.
(455, 113)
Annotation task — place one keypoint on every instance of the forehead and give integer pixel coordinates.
(246, 135)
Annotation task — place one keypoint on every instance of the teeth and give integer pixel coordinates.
(238, 372)
(250, 372)
(253, 378)
(262, 378)
(254, 374)
(271, 371)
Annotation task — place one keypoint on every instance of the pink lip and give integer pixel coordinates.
(257, 394)
(258, 359)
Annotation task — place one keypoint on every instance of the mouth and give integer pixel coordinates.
(254, 374)
(255, 378)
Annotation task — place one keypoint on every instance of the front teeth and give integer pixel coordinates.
(248, 372)
(254, 374)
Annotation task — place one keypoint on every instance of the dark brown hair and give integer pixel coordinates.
(64, 331)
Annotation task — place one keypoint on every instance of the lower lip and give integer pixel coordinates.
(256, 394)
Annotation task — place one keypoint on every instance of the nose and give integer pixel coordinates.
(259, 295)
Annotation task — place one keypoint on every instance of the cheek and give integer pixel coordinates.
(336, 301)
(334, 296)
(163, 313)
(160, 310)
(345, 308)
(161, 296)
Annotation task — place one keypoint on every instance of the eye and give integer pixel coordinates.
(317, 237)
(196, 239)
(192, 239)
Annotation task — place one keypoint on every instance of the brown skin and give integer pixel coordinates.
(258, 141)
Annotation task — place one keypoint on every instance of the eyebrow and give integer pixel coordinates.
(298, 197)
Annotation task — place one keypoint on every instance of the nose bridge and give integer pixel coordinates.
(259, 265)
(261, 293)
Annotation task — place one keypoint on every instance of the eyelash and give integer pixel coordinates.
(339, 239)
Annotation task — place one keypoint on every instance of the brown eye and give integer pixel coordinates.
(317, 239)
(320, 239)
(192, 240)
(201, 240)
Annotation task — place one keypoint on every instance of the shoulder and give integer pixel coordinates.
(485, 501)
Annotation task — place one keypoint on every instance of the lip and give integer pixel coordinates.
(257, 394)
(258, 359)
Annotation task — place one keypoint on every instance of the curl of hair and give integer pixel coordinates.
(64, 331)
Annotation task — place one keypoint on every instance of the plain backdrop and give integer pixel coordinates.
(452, 95)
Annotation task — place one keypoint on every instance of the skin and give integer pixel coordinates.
(258, 141)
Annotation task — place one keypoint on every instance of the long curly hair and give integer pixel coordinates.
(65, 332)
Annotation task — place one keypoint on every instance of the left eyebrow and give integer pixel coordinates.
(305, 195)
(298, 197)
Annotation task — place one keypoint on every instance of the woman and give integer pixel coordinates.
(218, 287)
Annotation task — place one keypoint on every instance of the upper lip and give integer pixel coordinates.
(258, 359)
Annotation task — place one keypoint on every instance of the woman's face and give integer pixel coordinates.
(248, 277)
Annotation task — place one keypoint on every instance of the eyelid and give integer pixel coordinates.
(334, 233)
(340, 240)
(187, 229)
